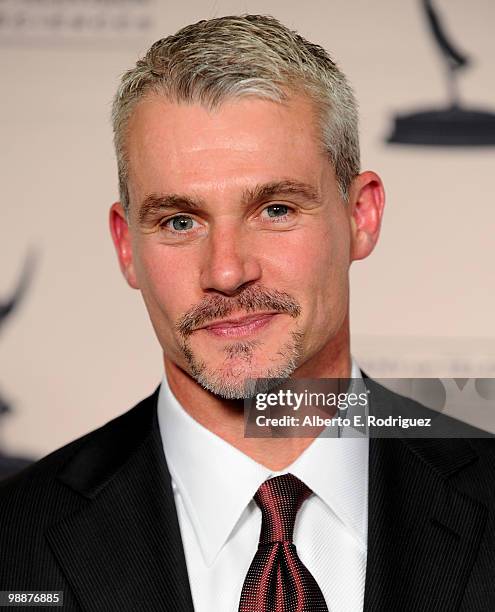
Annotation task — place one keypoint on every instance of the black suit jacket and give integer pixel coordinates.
(97, 520)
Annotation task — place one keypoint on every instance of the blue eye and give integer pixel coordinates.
(180, 223)
(277, 210)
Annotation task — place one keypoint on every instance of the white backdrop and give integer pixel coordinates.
(80, 350)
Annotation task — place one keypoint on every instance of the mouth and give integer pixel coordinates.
(241, 326)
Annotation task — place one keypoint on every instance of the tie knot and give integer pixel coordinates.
(279, 500)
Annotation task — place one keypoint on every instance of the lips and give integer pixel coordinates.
(240, 321)
(240, 326)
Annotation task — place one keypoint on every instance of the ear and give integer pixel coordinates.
(366, 201)
(119, 228)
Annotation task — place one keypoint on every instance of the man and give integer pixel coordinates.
(241, 209)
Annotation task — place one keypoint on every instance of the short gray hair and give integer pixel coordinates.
(249, 55)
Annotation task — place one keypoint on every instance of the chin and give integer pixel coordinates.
(235, 385)
(242, 371)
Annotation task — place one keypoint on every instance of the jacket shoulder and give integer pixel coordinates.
(60, 487)
(37, 486)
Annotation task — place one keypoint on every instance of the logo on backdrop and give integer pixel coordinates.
(55, 21)
(9, 464)
(455, 124)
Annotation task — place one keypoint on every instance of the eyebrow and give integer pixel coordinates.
(154, 204)
(280, 188)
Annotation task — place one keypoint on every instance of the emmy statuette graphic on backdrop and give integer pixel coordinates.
(8, 463)
(454, 125)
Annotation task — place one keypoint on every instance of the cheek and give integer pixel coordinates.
(314, 261)
(164, 281)
(316, 266)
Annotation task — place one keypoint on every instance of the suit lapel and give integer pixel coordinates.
(123, 550)
(423, 534)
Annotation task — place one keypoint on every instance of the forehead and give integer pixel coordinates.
(186, 147)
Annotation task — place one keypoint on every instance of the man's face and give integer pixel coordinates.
(238, 238)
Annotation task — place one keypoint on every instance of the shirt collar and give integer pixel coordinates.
(208, 468)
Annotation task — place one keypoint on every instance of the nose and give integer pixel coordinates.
(229, 262)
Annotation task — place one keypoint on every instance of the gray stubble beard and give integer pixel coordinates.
(248, 387)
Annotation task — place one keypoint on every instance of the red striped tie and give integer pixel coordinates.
(277, 581)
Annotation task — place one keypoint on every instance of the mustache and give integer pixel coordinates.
(251, 299)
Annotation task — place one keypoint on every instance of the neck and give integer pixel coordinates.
(225, 418)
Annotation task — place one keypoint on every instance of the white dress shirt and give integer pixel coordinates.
(214, 484)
